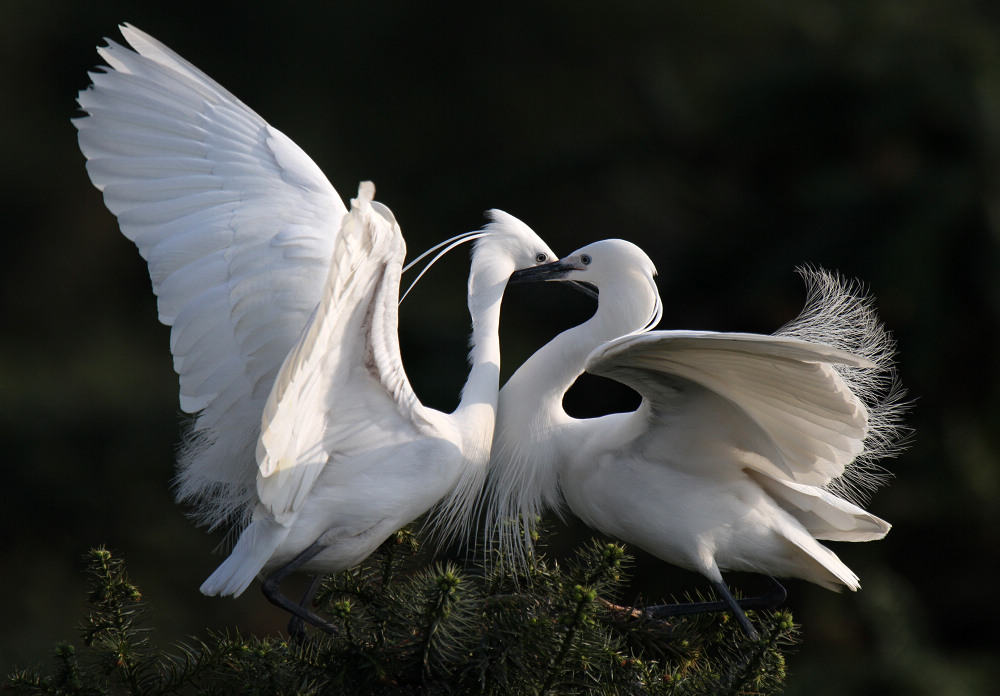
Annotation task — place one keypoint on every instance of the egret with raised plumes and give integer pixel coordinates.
(744, 451)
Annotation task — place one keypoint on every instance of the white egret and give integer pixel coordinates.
(347, 453)
(283, 308)
(237, 225)
(732, 460)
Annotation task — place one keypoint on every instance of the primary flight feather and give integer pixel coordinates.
(237, 225)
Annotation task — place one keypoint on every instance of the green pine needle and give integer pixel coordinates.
(409, 627)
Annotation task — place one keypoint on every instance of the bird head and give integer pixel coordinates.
(514, 242)
(622, 274)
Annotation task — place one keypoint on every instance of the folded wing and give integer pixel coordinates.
(342, 391)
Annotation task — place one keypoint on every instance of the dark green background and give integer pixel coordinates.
(732, 140)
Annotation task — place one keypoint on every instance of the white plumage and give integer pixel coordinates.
(237, 225)
(283, 308)
(731, 460)
(347, 453)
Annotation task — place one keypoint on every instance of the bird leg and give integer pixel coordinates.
(770, 599)
(296, 626)
(300, 612)
(734, 607)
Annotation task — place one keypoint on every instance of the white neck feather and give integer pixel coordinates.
(475, 416)
(527, 443)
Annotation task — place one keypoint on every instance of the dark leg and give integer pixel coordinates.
(727, 596)
(770, 599)
(775, 595)
(272, 590)
(296, 627)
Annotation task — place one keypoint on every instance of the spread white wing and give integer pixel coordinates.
(342, 392)
(773, 404)
(237, 225)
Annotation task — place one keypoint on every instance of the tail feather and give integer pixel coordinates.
(253, 550)
(823, 514)
(820, 565)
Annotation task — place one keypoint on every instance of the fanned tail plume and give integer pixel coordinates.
(840, 312)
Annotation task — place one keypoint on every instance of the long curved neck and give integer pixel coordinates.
(528, 446)
(477, 408)
(547, 375)
(475, 417)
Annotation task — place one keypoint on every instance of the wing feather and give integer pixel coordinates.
(786, 391)
(237, 225)
(342, 391)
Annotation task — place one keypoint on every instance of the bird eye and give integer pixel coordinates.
(585, 259)
(540, 257)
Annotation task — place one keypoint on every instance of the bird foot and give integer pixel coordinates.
(301, 614)
(770, 599)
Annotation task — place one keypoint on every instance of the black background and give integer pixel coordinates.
(732, 140)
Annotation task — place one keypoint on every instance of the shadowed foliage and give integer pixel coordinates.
(405, 627)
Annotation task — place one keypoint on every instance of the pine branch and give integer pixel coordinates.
(547, 630)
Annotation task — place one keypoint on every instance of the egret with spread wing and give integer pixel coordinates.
(741, 451)
(347, 453)
(237, 225)
(283, 308)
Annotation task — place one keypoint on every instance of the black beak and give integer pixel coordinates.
(556, 270)
(547, 271)
(586, 288)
